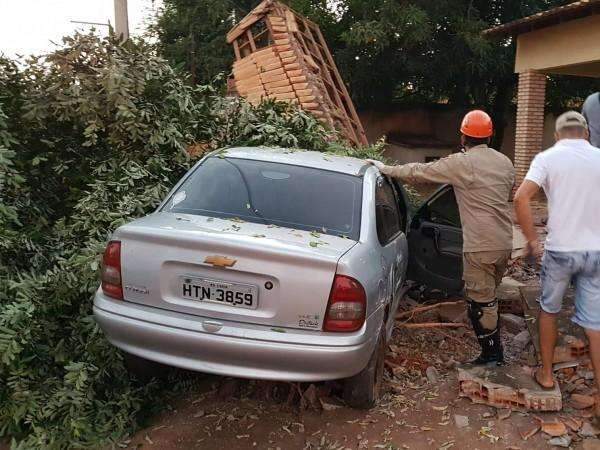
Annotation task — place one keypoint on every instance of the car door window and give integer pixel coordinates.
(401, 202)
(386, 211)
(443, 210)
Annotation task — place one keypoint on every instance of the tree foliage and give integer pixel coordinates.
(191, 34)
(91, 136)
(420, 51)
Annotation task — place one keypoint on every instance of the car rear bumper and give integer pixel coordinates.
(234, 349)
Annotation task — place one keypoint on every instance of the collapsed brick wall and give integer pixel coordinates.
(283, 56)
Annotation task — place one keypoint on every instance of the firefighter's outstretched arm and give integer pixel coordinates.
(454, 169)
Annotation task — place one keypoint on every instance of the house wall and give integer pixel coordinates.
(441, 125)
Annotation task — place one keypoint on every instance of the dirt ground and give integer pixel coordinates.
(415, 413)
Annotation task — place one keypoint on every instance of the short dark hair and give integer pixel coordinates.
(572, 131)
(472, 141)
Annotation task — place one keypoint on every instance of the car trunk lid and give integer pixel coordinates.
(290, 272)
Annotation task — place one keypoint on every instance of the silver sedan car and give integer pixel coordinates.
(272, 264)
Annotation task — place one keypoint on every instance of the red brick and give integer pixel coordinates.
(507, 387)
(530, 120)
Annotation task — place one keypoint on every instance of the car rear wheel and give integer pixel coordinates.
(143, 369)
(364, 389)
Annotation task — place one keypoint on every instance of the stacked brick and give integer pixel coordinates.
(530, 120)
(283, 56)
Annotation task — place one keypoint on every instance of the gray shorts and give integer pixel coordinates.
(559, 269)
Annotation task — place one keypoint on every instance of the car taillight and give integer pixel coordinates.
(111, 271)
(347, 305)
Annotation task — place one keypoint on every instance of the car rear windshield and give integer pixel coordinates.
(272, 193)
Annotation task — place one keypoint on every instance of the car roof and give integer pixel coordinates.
(299, 157)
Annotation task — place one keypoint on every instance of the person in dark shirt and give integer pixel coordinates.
(591, 112)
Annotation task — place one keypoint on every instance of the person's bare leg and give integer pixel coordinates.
(548, 328)
(594, 339)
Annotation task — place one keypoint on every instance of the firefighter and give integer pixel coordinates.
(483, 180)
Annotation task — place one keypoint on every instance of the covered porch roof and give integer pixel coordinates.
(562, 40)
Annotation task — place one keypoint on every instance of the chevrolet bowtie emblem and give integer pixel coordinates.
(220, 261)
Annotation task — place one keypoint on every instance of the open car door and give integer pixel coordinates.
(435, 243)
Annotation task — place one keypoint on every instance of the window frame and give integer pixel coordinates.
(426, 211)
(245, 43)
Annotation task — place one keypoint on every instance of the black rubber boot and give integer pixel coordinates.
(491, 350)
(489, 340)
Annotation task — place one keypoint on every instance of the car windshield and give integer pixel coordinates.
(272, 193)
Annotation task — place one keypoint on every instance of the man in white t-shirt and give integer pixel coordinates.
(569, 173)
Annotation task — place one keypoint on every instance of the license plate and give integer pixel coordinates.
(223, 292)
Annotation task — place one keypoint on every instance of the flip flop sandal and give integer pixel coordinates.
(545, 388)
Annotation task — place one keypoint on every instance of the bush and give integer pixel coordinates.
(91, 136)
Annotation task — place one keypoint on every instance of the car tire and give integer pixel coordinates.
(143, 369)
(362, 391)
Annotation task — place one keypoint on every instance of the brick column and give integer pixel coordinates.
(530, 120)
